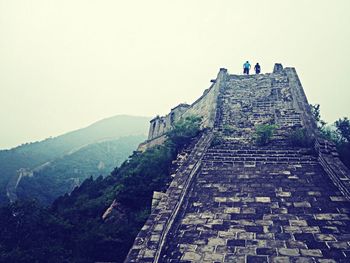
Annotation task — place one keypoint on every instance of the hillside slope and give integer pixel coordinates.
(29, 156)
(62, 175)
(99, 220)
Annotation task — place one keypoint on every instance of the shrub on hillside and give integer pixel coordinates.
(147, 172)
(183, 131)
(72, 229)
(338, 132)
(228, 130)
(264, 133)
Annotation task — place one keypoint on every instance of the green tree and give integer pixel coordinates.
(316, 112)
(343, 128)
(338, 132)
(343, 142)
(72, 229)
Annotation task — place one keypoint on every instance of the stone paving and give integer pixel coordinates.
(245, 102)
(261, 205)
(236, 202)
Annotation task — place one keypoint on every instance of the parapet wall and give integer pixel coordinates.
(161, 125)
(278, 97)
(300, 102)
(204, 107)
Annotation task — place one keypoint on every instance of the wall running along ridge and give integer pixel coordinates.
(233, 201)
(204, 107)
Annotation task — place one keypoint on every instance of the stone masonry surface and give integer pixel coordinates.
(235, 202)
(261, 205)
(205, 106)
(151, 236)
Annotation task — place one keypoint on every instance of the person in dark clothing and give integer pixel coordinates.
(257, 68)
(246, 68)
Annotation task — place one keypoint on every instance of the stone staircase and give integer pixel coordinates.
(236, 202)
(247, 101)
(230, 155)
(260, 205)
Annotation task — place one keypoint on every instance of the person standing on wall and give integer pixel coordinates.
(246, 68)
(257, 68)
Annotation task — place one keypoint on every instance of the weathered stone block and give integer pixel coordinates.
(232, 258)
(338, 199)
(324, 237)
(283, 194)
(297, 222)
(191, 256)
(149, 253)
(311, 252)
(216, 257)
(280, 260)
(302, 204)
(292, 252)
(216, 241)
(263, 199)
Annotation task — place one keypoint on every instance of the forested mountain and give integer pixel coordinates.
(22, 160)
(75, 227)
(63, 174)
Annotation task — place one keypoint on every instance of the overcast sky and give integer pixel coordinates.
(67, 63)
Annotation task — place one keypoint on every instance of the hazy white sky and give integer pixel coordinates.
(67, 63)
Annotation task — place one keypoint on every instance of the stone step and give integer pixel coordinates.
(226, 148)
(243, 153)
(257, 153)
(258, 159)
(252, 154)
(218, 164)
(294, 212)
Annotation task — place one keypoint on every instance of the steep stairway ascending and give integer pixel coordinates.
(247, 101)
(252, 204)
(241, 203)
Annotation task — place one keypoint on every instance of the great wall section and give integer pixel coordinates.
(234, 201)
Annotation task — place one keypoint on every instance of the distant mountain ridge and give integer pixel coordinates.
(31, 155)
(57, 177)
(108, 128)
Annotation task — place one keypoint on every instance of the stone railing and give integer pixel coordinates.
(328, 157)
(150, 240)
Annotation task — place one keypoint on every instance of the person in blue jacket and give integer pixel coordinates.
(246, 68)
(257, 68)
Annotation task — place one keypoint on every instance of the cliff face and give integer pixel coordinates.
(233, 201)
